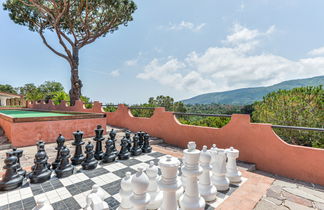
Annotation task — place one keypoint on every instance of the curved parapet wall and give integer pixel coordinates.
(257, 142)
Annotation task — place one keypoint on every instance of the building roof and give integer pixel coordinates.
(10, 94)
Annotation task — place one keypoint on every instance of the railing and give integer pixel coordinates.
(202, 115)
(298, 128)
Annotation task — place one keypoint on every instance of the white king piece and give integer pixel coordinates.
(232, 173)
(191, 198)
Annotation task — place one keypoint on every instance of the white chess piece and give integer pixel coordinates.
(125, 192)
(232, 173)
(153, 188)
(42, 204)
(100, 192)
(219, 169)
(94, 202)
(206, 188)
(140, 198)
(183, 176)
(191, 199)
(168, 182)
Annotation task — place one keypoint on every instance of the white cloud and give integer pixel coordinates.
(115, 73)
(318, 51)
(230, 67)
(184, 25)
(131, 62)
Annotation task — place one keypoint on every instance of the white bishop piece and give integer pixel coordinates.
(125, 192)
(191, 199)
(206, 188)
(153, 188)
(140, 198)
(219, 169)
(95, 200)
(41, 204)
(232, 173)
(168, 182)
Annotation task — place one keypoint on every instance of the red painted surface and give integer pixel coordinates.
(257, 142)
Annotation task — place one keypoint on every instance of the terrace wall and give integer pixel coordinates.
(257, 142)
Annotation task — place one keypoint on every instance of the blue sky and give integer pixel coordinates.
(180, 48)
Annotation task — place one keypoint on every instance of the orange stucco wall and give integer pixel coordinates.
(257, 142)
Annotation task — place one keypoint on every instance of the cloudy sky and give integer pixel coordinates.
(180, 48)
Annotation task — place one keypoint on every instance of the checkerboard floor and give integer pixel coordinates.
(70, 192)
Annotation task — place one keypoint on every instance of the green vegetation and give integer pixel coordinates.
(74, 23)
(7, 89)
(246, 96)
(297, 107)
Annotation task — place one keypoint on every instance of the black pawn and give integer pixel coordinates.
(78, 156)
(89, 162)
(98, 138)
(11, 179)
(112, 135)
(18, 154)
(109, 155)
(60, 143)
(124, 153)
(140, 138)
(41, 147)
(146, 145)
(129, 140)
(136, 150)
(40, 172)
(64, 169)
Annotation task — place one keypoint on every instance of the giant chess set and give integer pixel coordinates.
(133, 178)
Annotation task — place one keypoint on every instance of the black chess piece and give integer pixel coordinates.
(99, 138)
(11, 179)
(136, 150)
(40, 171)
(60, 143)
(18, 154)
(128, 137)
(41, 147)
(64, 169)
(140, 138)
(146, 145)
(112, 135)
(124, 153)
(89, 162)
(109, 155)
(78, 156)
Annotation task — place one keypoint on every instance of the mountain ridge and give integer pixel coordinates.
(249, 95)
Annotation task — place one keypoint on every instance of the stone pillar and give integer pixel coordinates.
(169, 183)
(232, 173)
(191, 198)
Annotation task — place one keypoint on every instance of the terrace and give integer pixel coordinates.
(276, 178)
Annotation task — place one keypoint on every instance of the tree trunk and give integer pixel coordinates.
(76, 84)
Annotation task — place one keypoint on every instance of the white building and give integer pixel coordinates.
(14, 99)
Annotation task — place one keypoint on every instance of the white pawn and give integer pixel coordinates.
(232, 173)
(94, 202)
(125, 192)
(97, 190)
(206, 188)
(168, 182)
(219, 169)
(42, 204)
(140, 198)
(191, 199)
(153, 188)
(183, 176)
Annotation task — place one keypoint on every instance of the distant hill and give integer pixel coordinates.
(249, 95)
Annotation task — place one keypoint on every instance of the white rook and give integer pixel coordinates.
(168, 182)
(140, 198)
(153, 188)
(219, 169)
(125, 192)
(206, 188)
(191, 199)
(232, 173)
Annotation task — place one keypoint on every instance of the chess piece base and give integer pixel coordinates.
(40, 178)
(22, 172)
(235, 178)
(221, 183)
(123, 156)
(77, 160)
(90, 166)
(11, 184)
(65, 172)
(137, 152)
(99, 156)
(156, 201)
(109, 159)
(147, 150)
(55, 165)
(208, 192)
(191, 204)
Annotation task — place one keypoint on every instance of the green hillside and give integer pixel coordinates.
(249, 95)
